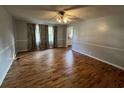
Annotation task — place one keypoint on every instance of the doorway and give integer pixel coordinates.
(69, 36)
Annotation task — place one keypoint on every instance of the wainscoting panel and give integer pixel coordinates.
(6, 59)
(21, 45)
(111, 55)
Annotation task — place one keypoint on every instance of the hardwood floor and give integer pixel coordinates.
(61, 68)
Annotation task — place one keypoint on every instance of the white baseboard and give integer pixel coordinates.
(14, 57)
(22, 50)
(122, 68)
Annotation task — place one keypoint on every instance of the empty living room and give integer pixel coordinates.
(61, 46)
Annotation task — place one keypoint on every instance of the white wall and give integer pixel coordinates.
(21, 36)
(102, 38)
(7, 49)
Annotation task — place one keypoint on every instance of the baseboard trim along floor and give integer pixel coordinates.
(100, 59)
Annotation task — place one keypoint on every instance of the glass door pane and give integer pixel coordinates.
(37, 36)
(51, 36)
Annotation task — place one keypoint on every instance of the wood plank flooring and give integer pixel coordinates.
(61, 68)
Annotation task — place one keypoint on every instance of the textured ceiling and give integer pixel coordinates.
(42, 13)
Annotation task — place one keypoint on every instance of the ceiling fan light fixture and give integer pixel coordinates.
(61, 17)
(65, 20)
(59, 21)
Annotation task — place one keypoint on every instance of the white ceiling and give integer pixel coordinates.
(42, 13)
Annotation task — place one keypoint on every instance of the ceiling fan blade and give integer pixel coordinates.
(75, 7)
(54, 17)
(73, 17)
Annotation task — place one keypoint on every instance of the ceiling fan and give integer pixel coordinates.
(61, 15)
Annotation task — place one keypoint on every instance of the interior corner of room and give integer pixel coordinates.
(14, 38)
(99, 35)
